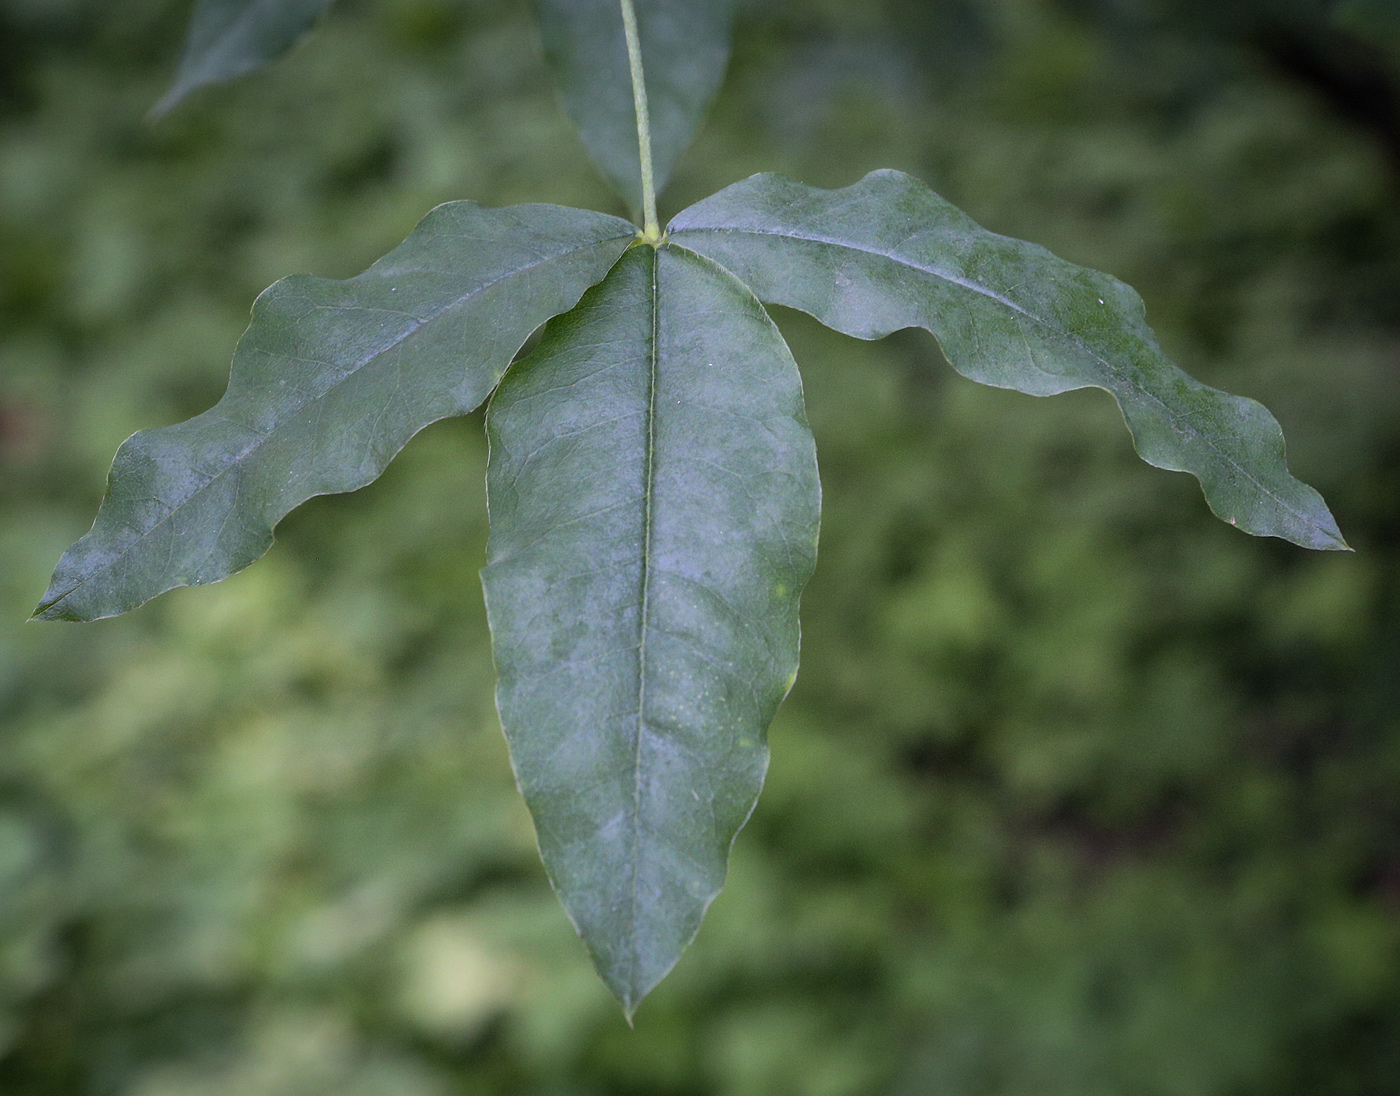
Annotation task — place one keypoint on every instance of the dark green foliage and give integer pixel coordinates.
(230, 38)
(636, 692)
(329, 383)
(888, 253)
(636, 686)
(1078, 791)
(1376, 20)
(685, 48)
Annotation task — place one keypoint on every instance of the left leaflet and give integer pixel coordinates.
(330, 381)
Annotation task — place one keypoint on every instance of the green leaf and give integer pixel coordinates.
(228, 38)
(329, 382)
(654, 506)
(887, 253)
(685, 48)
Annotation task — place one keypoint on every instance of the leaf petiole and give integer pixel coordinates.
(651, 228)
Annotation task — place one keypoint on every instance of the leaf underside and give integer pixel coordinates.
(685, 49)
(230, 38)
(887, 253)
(329, 382)
(654, 507)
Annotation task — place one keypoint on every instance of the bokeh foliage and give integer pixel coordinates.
(1079, 792)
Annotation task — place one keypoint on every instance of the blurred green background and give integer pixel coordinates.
(1080, 792)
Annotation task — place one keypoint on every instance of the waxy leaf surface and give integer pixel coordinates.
(654, 508)
(329, 382)
(685, 48)
(228, 38)
(888, 253)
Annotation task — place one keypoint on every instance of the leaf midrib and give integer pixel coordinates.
(1062, 331)
(648, 517)
(354, 371)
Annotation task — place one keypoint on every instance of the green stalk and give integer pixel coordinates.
(651, 228)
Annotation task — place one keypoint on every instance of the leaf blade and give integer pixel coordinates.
(685, 50)
(656, 434)
(230, 38)
(887, 253)
(329, 382)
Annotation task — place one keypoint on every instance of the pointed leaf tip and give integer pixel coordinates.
(230, 38)
(888, 253)
(654, 503)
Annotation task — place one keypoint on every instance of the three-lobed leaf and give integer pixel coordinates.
(654, 506)
(329, 382)
(685, 48)
(652, 480)
(229, 38)
(888, 253)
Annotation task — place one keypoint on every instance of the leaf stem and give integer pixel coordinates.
(651, 228)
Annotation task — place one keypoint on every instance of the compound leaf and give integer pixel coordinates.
(685, 48)
(329, 382)
(228, 38)
(887, 253)
(654, 506)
